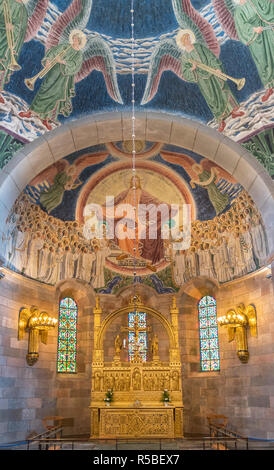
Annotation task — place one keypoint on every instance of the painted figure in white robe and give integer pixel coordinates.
(101, 252)
(43, 265)
(258, 240)
(75, 257)
(35, 245)
(67, 267)
(2, 246)
(54, 275)
(239, 261)
(48, 265)
(87, 260)
(221, 262)
(230, 245)
(10, 236)
(19, 259)
(78, 256)
(191, 263)
(179, 267)
(247, 249)
(205, 261)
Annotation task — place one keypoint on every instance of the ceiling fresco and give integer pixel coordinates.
(46, 237)
(211, 61)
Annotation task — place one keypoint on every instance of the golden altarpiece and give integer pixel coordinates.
(137, 409)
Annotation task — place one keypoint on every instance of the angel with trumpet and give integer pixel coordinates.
(193, 57)
(252, 23)
(70, 57)
(204, 174)
(19, 23)
(53, 182)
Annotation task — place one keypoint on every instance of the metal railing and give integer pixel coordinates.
(219, 439)
(187, 443)
(227, 435)
(44, 436)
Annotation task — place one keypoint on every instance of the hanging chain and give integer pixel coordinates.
(133, 145)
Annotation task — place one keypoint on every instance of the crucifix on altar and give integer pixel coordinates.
(135, 328)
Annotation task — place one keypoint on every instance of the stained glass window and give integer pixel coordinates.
(142, 335)
(209, 343)
(66, 353)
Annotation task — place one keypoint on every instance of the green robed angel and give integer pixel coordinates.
(14, 21)
(216, 91)
(58, 88)
(254, 21)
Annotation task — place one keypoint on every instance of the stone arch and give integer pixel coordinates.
(198, 287)
(147, 293)
(80, 289)
(161, 127)
(155, 313)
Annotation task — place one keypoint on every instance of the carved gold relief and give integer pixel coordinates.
(137, 423)
(141, 378)
(137, 409)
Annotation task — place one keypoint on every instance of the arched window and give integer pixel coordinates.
(140, 319)
(66, 353)
(208, 328)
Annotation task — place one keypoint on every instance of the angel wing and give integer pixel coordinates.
(225, 11)
(250, 313)
(76, 16)
(98, 56)
(89, 160)
(23, 321)
(252, 319)
(187, 162)
(189, 18)
(36, 12)
(49, 174)
(231, 332)
(180, 159)
(165, 56)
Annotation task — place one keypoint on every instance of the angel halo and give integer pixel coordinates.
(80, 35)
(181, 34)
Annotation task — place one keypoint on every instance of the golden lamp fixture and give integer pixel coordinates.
(237, 321)
(37, 324)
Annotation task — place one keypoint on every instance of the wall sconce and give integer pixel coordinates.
(237, 321)
(37, 324)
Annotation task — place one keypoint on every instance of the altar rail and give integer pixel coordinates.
(187, 443)
(50, 434)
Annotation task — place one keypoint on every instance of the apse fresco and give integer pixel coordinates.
(211, 61)
(45, 236)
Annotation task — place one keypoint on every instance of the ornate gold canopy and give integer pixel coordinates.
(135, 389)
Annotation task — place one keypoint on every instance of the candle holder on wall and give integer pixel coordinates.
(237, 321)
(37, 324)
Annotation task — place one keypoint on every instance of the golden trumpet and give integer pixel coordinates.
(30, 82)
(14, 66)
(240, 82)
